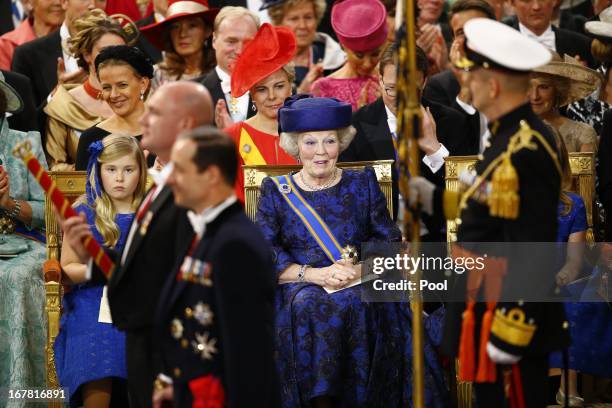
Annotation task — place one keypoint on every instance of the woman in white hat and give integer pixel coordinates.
(591, 109)
(558, 84)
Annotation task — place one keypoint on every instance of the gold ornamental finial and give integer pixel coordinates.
(23, 150)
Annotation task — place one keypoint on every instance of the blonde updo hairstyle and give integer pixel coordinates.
(289, 141)
(116, 146)
(277, 13)
(89, 30)
(602, 51)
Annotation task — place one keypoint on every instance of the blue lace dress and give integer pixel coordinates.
(335, 344)
(85, 349)
(590, 322)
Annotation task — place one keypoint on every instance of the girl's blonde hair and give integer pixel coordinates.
(115, 147)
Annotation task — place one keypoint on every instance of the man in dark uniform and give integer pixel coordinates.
(158, 235)
(511, 198)
(215, 316)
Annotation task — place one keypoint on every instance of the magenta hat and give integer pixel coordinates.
(360, 25)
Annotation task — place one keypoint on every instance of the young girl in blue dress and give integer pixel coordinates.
(89, 350)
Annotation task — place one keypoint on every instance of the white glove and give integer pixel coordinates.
(499, 356)
(421, 191)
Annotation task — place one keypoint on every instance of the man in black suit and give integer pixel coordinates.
(444, 133)
(26, 119)
(534, 19)
(6, 17)
(158, 234)
(215, 316)
(445, 88)
(43, 59)
(233, 26)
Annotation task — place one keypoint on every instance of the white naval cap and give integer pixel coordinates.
(492, 44)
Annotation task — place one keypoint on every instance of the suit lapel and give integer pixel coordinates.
(379, 134)
(159, 201)
(251, 109)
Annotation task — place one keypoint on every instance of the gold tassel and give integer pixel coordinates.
(504, 199)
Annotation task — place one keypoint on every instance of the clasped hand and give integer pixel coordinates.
(336, 275)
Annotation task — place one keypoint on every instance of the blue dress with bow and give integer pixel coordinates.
(335, 344)
(85, 349)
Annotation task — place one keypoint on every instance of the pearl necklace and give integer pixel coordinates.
(324, 186)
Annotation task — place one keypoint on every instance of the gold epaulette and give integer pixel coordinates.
(504, 199)
(512, 328)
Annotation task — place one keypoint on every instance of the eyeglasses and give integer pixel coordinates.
(390, 90)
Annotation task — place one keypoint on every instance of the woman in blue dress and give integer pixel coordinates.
(590, 322)
(89, 351)
(333, 349)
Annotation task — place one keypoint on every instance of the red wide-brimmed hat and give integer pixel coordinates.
(271, 49)
(177, 9)
(360, 25)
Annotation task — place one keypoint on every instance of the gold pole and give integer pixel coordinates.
(409, 130)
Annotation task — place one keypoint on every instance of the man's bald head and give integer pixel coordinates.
(172, 109)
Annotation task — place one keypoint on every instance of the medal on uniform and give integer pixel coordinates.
(203, 314)
(176, 329)
(233, 106)
(144, 226)
(204, 346)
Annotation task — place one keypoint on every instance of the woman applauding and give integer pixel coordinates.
(264, 70)
(361, 27)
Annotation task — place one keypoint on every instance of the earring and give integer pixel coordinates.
(142, 95)
(253, 107)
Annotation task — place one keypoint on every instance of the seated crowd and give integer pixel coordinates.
(205, 307)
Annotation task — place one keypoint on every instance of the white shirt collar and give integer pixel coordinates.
(226, 80)
(64, 33)
(160, 176)
(70, 63)
(547, 38)
(391, 120)
(199, 221)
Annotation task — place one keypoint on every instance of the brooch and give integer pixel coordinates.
(246, 148)
(284, 188)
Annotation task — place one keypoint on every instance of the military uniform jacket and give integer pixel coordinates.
(539, 187)
(215, 317)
